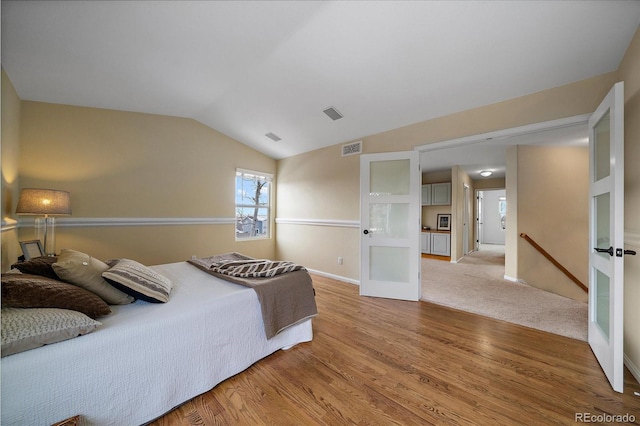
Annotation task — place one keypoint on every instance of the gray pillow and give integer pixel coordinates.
(24, 329)
(86, 272)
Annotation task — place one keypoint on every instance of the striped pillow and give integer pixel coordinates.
(138, 281)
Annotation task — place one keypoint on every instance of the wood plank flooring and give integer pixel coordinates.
(436, 257)
(388, 362)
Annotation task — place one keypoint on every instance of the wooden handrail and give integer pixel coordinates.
(555, 262)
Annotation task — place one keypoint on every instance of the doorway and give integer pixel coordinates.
(491, 219)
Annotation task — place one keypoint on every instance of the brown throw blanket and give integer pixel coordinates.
(284, 289)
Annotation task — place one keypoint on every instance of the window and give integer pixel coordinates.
(253, 204)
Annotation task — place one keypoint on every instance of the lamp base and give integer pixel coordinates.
(46, 232)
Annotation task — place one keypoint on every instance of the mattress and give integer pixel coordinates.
(146, 358)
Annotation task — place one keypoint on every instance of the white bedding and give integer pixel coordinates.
(146, 358)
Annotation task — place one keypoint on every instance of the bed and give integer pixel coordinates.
(145, 358)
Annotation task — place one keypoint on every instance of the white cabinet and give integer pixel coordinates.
(425, 242)
(436, 194)
(441, 244)
(441, 194)
(426, 194)
(438, 243)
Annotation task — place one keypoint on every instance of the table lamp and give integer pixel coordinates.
(48, 203)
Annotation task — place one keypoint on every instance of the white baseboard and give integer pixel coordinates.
(515, 280)
(635, 371)
(334, 277)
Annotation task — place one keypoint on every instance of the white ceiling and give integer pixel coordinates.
(250, 68)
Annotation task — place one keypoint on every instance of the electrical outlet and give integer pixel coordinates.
(339, 260)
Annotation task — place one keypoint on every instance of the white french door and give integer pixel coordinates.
(479, 219)
(467, 220)
(390, 225)
(606, 235)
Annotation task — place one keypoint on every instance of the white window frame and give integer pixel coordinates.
(262, 176)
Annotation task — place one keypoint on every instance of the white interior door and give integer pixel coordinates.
(606, 235)
(390, 225)
(479, 218)
(466, 219)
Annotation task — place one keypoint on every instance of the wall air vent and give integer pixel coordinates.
(352, 148)
(332, 113)
(273, 137)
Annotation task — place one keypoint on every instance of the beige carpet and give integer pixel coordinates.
(476, 284)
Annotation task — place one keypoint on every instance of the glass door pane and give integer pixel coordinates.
(388, 220)
(602, 223)
(389, 264)
(602, 147)
(602, 302)
(390, 178)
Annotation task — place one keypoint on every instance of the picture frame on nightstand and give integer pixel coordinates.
(31, 249)
(444, 222)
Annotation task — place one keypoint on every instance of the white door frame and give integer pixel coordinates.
(506, 133)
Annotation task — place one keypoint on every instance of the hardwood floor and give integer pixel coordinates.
(388, 362)
(436, 257)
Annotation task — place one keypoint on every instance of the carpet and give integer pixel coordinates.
(476, 284)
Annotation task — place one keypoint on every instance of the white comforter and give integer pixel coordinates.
(146, 358)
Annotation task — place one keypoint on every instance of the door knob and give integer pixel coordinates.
(365, 232)
(620, 252)
(601, 250)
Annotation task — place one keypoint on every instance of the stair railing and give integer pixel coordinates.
(555, 262)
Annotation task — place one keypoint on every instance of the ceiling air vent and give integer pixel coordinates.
(332, 113)
(273, 137)
(352, 148)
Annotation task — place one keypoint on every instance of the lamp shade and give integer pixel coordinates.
(50, 202)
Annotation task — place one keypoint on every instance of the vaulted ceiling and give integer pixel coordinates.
(248, 68)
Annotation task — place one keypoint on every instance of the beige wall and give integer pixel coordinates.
(492, 183)
(630, 74)
(553, 209)
(10, 183)
(130, 165)
(315, 187)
